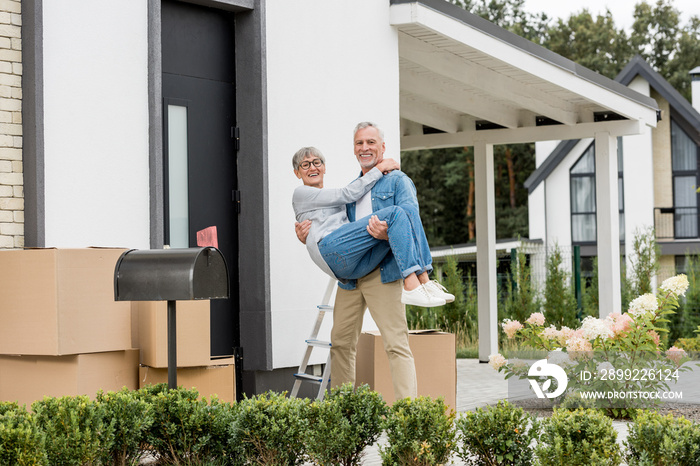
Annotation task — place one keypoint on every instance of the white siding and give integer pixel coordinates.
(330, 65)
(96, 123)
(536, 213)
(638, 178)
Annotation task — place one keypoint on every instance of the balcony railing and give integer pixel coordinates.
(676, 222)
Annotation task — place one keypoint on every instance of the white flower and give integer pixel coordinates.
(644, 304)
(536, 318)
(578, 347)
(593, 328)
(497, 361)
(559, 357)
(604, 367)
(676, 354)
(511, 327)
(551, 333)
(676, 285)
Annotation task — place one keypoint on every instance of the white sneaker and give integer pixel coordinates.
(436, 289)
(421, 297)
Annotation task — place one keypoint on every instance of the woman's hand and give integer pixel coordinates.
(387, 165)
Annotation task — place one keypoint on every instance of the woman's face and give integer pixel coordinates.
(312, 176)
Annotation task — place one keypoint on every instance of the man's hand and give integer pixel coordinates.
(378, 228)
(302, 230)
(388, 165)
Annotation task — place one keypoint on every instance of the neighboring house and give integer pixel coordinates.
(108, 102)
(658, 177)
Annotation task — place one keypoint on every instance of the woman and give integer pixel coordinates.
(346, 250)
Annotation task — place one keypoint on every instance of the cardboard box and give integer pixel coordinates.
(217, 380)
(26, 379)
(436, 365)
(192, 328)
(61, 301)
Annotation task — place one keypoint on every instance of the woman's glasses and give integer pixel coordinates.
(306, 164)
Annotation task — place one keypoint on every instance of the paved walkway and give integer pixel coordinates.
(478, 385)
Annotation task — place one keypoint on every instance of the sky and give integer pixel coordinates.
(622, 10)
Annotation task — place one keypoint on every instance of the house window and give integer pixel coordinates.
(583, 224)
(583, 202)
(684, 155)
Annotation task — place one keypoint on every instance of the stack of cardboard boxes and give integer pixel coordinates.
(62, 333)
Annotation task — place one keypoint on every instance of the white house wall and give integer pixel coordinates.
(557, 193)
(536, 213)
(638, 178)
(330, 65)
(537, 227)
(96, 123)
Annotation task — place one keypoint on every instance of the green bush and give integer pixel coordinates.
(688, 344)
(457, 316)
(645, 261)
(521, 298)
(560, 306)
(221, 416)
(573, 401)
(342, 425)
(497, 435)
(419, 431)
(130, 417)
(580, 437)
(21, 441)
(76, 429)
(656, 440)
(181, 427)
(687, 316)
(269, 429)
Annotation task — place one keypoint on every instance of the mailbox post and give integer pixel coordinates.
(171, 275)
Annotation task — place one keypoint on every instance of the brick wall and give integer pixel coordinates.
(11, 178)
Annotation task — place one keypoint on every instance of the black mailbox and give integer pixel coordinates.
(171, 275)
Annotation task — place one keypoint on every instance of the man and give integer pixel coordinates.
(381, 289)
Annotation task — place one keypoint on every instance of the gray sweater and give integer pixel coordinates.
(326, 209)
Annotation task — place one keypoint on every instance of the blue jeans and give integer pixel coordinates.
(351, 252)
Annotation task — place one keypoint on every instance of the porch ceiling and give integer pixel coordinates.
(463, 79)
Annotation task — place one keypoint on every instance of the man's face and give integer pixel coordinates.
(369, 148)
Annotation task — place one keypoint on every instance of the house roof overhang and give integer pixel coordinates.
(464, 79)
(681, 111)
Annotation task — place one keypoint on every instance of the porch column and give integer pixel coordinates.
(486, 249)
(608, 223)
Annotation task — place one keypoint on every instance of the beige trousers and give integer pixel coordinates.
(384, 302)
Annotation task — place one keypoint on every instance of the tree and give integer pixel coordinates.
(593, 43)
(560, 304)
(444, 180)
(655, 32)
(645, 262)
(510, 15)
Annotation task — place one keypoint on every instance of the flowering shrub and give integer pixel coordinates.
(618, 354)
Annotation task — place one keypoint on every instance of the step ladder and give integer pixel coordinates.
(313, 342)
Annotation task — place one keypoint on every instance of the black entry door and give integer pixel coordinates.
(199, 148)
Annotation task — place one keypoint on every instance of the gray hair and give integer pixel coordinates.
(368, 124)
(303, 152)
